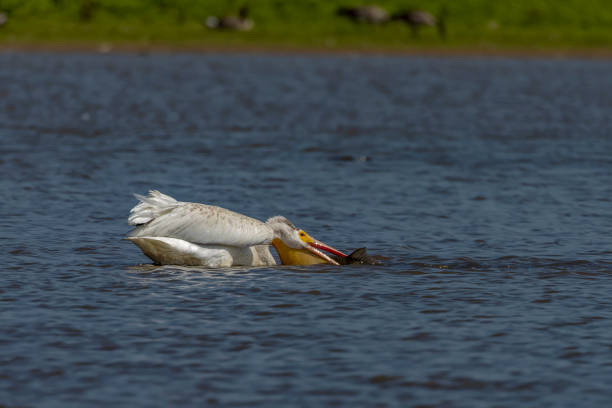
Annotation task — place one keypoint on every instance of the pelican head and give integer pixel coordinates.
(296, 247)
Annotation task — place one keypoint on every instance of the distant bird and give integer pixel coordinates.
(87, 9)
(365, 14)
(3, 19)
(172, 232)
(241, 22)
(415, 19)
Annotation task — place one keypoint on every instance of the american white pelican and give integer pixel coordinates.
(172, 232)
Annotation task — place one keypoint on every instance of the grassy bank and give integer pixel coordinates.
(529, 25)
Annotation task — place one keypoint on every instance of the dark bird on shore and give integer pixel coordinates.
(415, 19)
(241, 22)
(365, 14)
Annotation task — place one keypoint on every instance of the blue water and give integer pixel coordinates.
(486, 182)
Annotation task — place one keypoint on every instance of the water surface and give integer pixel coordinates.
(485, 181)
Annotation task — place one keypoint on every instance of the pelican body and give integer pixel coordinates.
(172, 232)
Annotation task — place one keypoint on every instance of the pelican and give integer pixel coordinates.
(172, 232)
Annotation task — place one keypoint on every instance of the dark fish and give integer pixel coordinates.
(358, 256)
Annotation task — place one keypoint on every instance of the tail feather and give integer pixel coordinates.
(151, 207)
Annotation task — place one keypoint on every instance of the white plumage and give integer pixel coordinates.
(150, 207)
(172, 251)
(181, 233)
(174, 232)
(163, 216)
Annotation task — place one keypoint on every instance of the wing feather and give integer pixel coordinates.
(206, 224)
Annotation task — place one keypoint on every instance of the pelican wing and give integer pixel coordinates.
(204, 224)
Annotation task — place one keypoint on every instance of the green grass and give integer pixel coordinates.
(309, 24)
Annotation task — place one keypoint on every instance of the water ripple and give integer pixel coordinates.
(483, 183)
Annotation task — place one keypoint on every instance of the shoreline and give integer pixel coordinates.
(475, 51)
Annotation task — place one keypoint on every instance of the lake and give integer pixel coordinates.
(486, 182)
